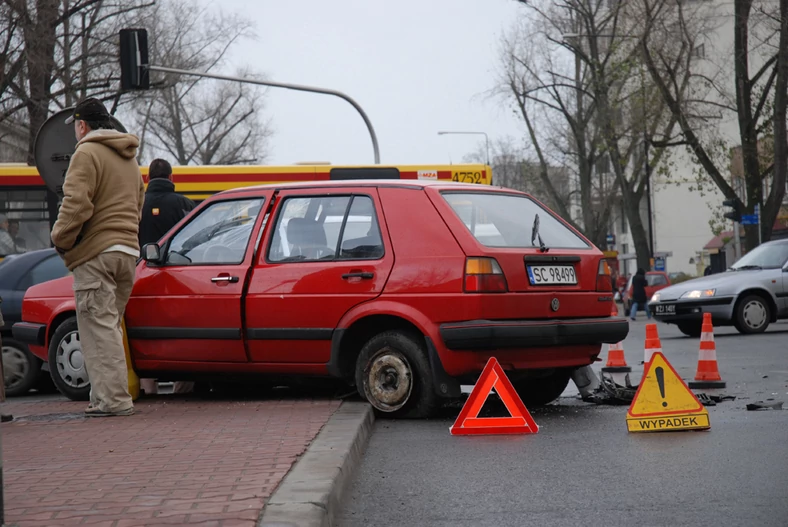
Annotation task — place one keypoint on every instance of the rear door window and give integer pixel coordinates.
(506, 220)
(326, 228)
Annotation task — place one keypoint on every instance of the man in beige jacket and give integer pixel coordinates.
(96, 235)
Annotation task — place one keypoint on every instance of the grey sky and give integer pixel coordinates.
(415, 66)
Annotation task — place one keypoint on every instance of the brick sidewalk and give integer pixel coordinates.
(175, 462)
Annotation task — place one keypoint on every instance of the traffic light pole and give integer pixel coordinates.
(736, 240)
(297, 87)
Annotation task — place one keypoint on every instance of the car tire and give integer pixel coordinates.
(21, 368)
(393, 374)
(691, 329)
(539, 391)
(752, 314)
(66, 363)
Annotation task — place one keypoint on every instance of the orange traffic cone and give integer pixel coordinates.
(653, 344)
(708, 375)
(616, 363)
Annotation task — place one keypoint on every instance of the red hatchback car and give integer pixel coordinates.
(404, 290)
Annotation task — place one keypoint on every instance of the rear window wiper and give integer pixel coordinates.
(535, 235)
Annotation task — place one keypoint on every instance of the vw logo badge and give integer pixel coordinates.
(555, 304)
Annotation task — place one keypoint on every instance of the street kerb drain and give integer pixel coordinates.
(469, 422)
(663, 402)
(707, 374)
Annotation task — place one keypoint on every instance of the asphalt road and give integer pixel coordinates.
(583, 467)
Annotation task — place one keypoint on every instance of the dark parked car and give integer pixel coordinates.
(23, 370)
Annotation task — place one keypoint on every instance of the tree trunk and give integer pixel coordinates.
(40, 38)
(637, 230)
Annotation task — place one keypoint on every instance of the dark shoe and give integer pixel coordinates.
(95, 412)
(6, 418)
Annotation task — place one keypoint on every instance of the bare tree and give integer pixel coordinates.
(199, 121)
(579, 82)
(69, 52)
(757, 100)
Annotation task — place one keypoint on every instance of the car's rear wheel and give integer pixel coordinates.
(544, 387)
(66, 362)
(21, 369)
(691, 329)
(752, 314)
(394, 375)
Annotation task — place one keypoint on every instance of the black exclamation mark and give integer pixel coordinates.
(661, 381)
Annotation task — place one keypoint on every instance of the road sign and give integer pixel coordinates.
(469, 422)
(749, 219)
(611, 239)
(663, 402)
(659, 264)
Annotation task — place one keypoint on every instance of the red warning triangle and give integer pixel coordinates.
(469, 422)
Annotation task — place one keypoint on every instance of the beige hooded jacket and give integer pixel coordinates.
(103, 196)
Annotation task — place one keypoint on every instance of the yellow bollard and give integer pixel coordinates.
(134, 381)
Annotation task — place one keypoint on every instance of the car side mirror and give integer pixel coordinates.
(151, 253)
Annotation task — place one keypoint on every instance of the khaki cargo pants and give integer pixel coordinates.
(102, 287)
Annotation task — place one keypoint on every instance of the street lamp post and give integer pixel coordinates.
(486, 139)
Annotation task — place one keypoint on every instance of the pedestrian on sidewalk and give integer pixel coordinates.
(162, 210)
(96, 234)
(639, 294)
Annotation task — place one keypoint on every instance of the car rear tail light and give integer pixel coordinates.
(604, 282)
(484, 275)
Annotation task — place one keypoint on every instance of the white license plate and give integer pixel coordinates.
(551, 274)
(667, 309)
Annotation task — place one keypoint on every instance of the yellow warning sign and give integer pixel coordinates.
(663, 402)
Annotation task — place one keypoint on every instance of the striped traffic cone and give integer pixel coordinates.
(707, 375)
(652, 346)
(616, 363)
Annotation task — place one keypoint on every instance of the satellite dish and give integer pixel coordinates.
(55, 144)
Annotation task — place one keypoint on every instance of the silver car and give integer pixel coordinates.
(750, 295)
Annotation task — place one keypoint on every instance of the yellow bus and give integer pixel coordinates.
(27, 202)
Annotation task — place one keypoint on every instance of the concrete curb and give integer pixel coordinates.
(311, 493)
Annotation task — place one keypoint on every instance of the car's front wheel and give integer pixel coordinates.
(752, 314)
(394, 375)
(66, 362)
(21, 369)
(541, 388)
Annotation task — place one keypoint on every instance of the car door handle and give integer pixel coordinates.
(231, 279)
(363, 276)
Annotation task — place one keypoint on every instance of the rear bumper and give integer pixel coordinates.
(30, 333)
(508, 334)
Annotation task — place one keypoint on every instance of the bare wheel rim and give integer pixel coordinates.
(16, 366)
(388, 382)
(754, 314)
(70, 362)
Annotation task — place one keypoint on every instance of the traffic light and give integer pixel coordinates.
(735, 214)
(134, 73)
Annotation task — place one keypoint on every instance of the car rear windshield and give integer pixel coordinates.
(506, 220)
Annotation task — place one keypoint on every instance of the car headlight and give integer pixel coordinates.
(705, 293)
(655, 297)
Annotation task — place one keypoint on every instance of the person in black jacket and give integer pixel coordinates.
(163, 207)
(162, 210)
(639, 294)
